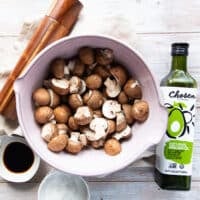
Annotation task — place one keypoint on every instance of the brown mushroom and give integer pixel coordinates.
(120, 122)
(133, 89)
(94, 99)
(140, 110)
(75, 101)
(57, 68)
(102, 71)
(93, 81)
(75, 84)
(86, 55)
(54, 99)
(122, 98)
(62, 128)
(74, 145)
(112, 88)
(49, 131)
(119, 73)
(73, 124)
(98, 144)
(62, 113)
(127, 109)
(112, 147)
(111, 126)
(58, 143)
(83, 115)
(43, 114)
(104, 56)
(79, 68)
(41, 97)
(124, 134)
(60, 86)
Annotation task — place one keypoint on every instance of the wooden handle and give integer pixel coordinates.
(55, 25)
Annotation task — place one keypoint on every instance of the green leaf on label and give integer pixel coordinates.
(178, 151)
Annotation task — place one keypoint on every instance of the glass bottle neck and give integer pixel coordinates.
(179, 63)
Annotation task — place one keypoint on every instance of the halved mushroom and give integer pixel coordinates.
(111, 126)
(97, 131)
(73, 124)
(110, 109)
(83, 115)
(49, 131)
(60, 86)
(58, 143)
(74, 145)
(75, 84)
(54, 99)
(112, 87)
(124, 134)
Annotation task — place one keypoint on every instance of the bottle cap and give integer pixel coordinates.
(180, 49)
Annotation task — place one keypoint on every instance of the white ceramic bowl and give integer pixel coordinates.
(90, 162)
(58, 186)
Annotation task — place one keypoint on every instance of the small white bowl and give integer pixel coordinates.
(12, 176)
(59, 186)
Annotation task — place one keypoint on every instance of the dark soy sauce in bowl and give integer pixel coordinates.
(18, 157)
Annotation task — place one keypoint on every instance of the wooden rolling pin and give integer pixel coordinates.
(56, 24)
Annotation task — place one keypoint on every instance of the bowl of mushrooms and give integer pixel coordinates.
(89, 105)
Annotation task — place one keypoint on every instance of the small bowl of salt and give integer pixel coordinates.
(62, 186)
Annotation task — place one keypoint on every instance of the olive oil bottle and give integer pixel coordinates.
(174, 152)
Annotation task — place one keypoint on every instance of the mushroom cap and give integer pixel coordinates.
(79, 68)
(62, 113)
(86, 55)
(43, 114)
(74, 146)
(58, 143)
(112, 88)
(41, 97)
(94, 99)
(97, 144)
(57, 67)
(49, 131)
(127, 109)
(104, 56)
(83, 115)
(140, 110)
(110, 108)
(75, 101)
(122, 98)
(73, 124)
(98, 124)
(102, 71)
(133, 89)
(112, 147)
(119, 73)
(60, 86)
(93, 81)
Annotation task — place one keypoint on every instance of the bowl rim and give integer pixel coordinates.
(28, 69)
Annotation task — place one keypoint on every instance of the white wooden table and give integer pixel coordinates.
(159, 23)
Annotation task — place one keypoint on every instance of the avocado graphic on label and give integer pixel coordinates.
(177, 123)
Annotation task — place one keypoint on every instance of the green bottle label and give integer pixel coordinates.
(174, 152)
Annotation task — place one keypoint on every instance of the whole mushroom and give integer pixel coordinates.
(112, 147)
(62, 129)
(102, 71)
(94, 99)
(104, 56)
(86, 55)
(41, 97)
(62, 113)
(119, 73)
(127, 109)
(73, 125)
(93, 81)
(132, 89)
(60, 86)
(78, 69)
(124, 134)
(43, 114)
(140, 110)
(57, 68)
(122, 98)
(75, 101)
(58, 143)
